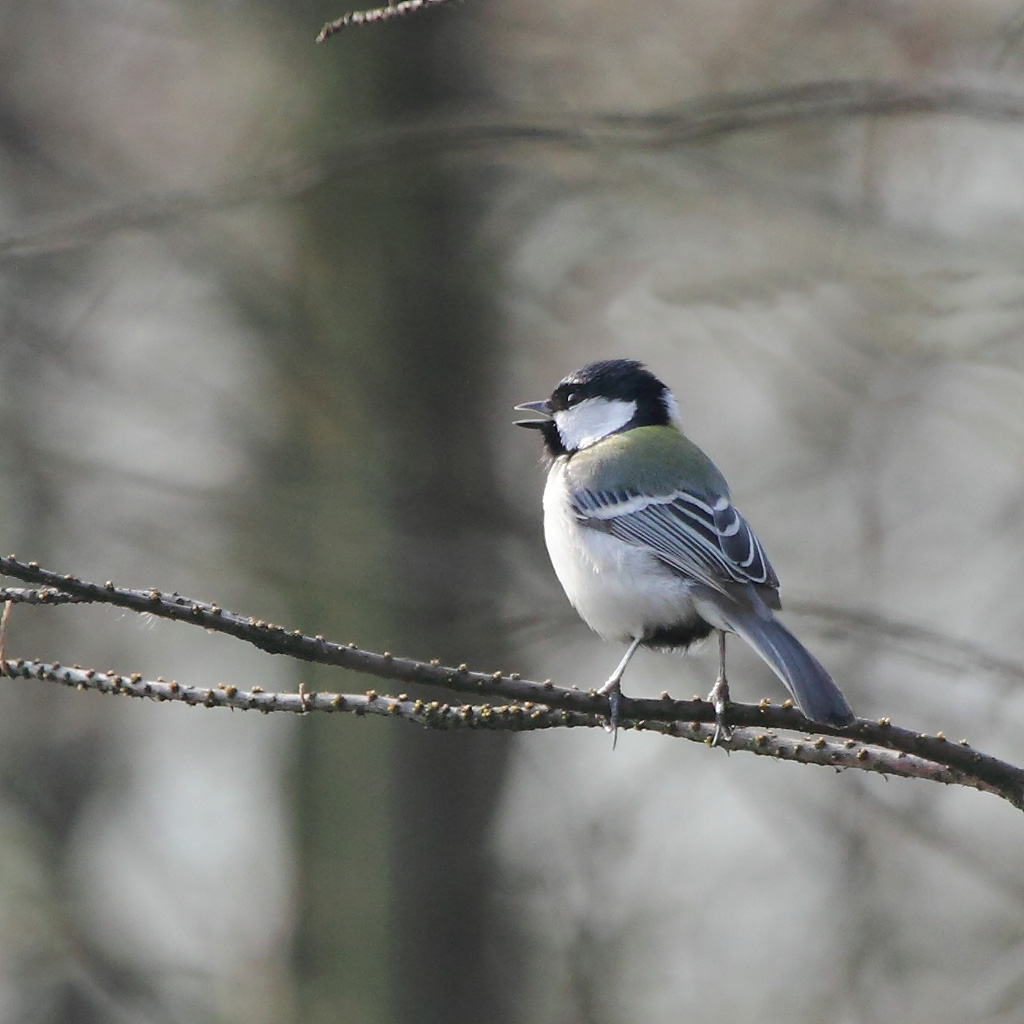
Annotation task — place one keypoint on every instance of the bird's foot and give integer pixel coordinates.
(719, 698)
(614, 694)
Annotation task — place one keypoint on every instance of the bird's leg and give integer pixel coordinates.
(612, 688)
(719, 695)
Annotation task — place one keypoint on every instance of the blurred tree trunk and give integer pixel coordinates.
(446, 360)
(408, 359)
(445, 785)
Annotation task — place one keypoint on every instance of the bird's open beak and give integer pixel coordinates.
(543, 407)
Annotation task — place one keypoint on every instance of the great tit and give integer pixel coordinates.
(646, 542)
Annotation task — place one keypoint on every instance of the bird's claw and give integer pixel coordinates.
(613, 691)
(719, 698)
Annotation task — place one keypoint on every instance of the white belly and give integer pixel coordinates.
(620, 590)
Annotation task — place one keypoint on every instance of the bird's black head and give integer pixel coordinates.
(600, 399)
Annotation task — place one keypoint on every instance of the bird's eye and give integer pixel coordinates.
(572, 398)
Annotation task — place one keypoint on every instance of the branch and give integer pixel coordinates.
(527, 717)
(21, 595)
(877, 746)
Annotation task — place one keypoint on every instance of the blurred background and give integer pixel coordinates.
(259, 348)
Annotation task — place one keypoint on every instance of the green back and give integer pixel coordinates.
(660, 461)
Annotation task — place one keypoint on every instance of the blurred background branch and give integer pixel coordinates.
(447, 136)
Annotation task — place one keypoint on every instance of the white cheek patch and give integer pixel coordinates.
(585, 424)
(672, 408)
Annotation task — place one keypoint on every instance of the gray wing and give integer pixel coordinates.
(702, 536)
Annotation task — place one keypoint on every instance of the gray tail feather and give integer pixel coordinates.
(811, 686)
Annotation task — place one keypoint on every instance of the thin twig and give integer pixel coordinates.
(528, 717)
(353, 18)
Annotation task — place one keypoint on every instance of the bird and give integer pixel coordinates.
(646, 542)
